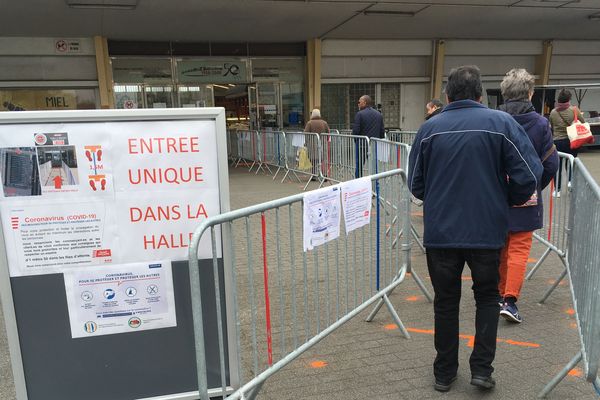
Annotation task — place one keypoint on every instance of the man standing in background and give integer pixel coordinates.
(367, 122)
(434, 107)
(468, 165)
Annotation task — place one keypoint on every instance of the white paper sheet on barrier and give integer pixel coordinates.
(297, 140)
(356, 203)
(120, 298)
(383, 151)
(321, 216)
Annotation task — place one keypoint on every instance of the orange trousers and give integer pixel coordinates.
(513, 262)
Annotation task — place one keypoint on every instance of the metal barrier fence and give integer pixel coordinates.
(553, 234)
(407, 137)
(247, 148)
(387, 155)
(343, 157)
(302, 155)
(273, 150)
(286, 300)
(583, 254)
(232, 146)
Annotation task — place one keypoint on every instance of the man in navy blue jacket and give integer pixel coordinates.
(367, 122)
(468, 165)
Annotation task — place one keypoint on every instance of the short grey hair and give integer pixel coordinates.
(315, 113)
(517, 84)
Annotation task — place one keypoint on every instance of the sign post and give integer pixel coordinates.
(97, 210)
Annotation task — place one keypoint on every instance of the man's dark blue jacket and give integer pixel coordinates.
(368, 122)
(468, 165)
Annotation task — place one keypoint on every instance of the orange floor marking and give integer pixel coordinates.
(531, 260)
(318, 364)
(515, 343)
(412, 298)
(575, 372)
(417, 214)
(390, 327)
(471, 338)
(415, 330)
(573, 325)
(570, 311)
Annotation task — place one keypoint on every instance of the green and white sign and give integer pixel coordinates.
(213, 71)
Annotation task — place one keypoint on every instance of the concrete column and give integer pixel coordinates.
(105, 77)
(313, 75)
(542, 64)
(437, 68)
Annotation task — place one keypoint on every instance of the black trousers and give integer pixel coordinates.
(564, 146)
(445, 268)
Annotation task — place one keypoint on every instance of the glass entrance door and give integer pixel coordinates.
(269, 105)
(253, 106)
(159, 96)
(195, 96)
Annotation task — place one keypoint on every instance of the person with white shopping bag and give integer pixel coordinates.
(561, 117)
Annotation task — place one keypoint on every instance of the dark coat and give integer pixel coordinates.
(527, 219)
(459, 164)
(434, 113)
(368, 122)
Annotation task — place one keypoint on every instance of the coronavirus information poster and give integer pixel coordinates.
(124, 298)
(110, 193)
(98, 210)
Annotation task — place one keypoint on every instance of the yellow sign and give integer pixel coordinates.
(21, 100)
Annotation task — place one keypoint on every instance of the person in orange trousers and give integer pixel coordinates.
(517, 90)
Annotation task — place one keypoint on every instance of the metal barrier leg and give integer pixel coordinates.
(276, 172)
(254, 392)
(395, 316)
(560, 376)
(421, 285)
(549, 292)
(537, 264)
(308, 182)
(417, 237)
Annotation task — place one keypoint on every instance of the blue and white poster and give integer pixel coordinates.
(120, 299)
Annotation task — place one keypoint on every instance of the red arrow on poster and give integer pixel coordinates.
(57, 182)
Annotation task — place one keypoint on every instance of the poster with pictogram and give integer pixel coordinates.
(91, 194)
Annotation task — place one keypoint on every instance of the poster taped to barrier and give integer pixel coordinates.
(111, 193)
(356, 203)
(321, 216)
(124, 298)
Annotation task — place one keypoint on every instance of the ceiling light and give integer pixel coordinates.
(384, 12)
(103, 4)
(221, 86)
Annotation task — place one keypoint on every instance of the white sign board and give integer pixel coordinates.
(112, 193)
(120, 299)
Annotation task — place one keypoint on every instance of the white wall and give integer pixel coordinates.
(39, 59)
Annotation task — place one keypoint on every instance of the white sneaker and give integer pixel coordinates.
(555, 193)
(569, 185)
